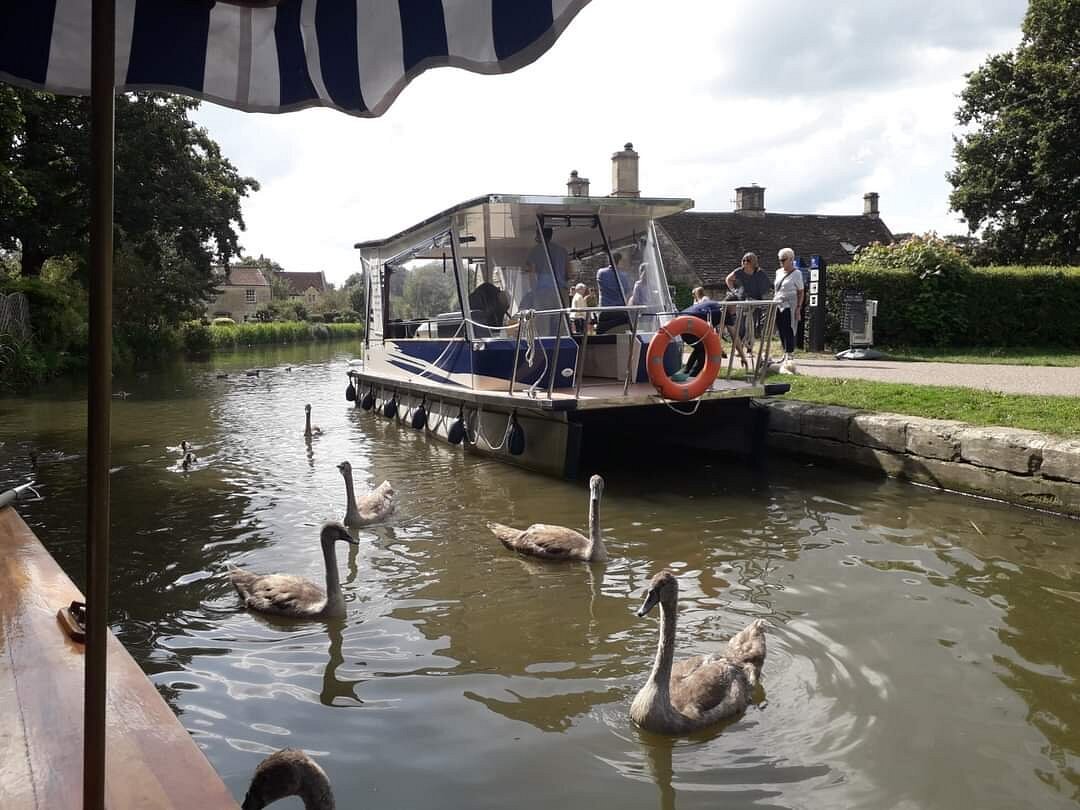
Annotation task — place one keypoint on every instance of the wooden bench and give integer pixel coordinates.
(151, 761)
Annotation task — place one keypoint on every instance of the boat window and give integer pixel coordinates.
(422, 299)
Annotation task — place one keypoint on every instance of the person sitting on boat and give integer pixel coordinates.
(711, 312)
(613, 283)
(579, 303)
(488, 305)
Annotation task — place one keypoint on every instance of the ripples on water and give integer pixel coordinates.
(914, 660)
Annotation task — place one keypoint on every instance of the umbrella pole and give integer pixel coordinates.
(102, 95)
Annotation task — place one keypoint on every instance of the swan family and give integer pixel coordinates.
(677, 697)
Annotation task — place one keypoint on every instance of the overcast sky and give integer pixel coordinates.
(818, 102)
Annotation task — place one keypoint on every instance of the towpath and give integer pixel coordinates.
(1007, 379)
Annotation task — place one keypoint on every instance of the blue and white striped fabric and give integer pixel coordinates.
(353, 55)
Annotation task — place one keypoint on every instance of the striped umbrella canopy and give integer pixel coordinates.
(255, 55)
(266, 56)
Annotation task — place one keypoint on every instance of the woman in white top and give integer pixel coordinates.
(788, 293)
(579, 303)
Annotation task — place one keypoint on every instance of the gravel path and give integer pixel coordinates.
(1050, 380)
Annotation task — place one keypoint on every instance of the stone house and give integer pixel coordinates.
(304, 287)
(702, 247)
(242, 290)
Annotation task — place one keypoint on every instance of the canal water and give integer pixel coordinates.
(923, 647)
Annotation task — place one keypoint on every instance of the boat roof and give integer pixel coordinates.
(645, 207)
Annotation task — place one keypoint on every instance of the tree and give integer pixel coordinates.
(427, 292)
(1018, 170)
(44, 211)
(172, 184)
(354, 286)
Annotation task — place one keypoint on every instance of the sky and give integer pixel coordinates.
(817, 102)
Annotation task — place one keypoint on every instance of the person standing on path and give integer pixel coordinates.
(747, 282)
(788, 292)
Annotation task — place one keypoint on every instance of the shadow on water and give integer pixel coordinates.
(922, 649)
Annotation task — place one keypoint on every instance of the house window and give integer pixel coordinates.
(249, 295)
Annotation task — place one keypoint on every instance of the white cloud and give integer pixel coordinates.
(817, 102)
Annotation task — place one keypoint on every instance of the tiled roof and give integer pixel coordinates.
(244, 276)
(299, 283)
(710, 245)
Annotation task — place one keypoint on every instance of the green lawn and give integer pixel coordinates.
(1058, 415)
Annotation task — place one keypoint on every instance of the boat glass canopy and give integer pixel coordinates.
(505, 255)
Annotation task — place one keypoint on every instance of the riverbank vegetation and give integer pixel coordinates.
(1049, 414)
(929, 295)
(199, 338)
(177, 213)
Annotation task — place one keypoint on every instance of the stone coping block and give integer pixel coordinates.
(934, 438)
(784, 415)
(1061, 459)
(883, 431)
(1000, 448)
(827, 421)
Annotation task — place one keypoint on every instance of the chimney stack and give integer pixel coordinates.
(870, 205)
(577, 186)
(624, 173)
(750, 200)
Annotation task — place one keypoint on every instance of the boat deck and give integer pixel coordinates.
(595, 393)
(152, 762)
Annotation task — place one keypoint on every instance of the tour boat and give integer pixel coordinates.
(517, 372)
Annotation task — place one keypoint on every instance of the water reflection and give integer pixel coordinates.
(921, 645)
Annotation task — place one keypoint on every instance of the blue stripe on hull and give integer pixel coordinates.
(412, 368)
(454, 357)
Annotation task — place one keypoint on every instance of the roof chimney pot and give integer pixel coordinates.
(577, 186)
(624, 173)
(750, 200)
(870, 205)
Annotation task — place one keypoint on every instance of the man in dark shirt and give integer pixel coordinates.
(712, 312)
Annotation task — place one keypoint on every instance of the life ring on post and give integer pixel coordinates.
(654, 358)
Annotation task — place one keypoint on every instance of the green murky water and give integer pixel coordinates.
(914, 659)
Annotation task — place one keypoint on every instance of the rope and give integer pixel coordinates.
(671, 406)
(527, 321)
(479, 431)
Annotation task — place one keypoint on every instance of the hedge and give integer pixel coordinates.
(985, 306)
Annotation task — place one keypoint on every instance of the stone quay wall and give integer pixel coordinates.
(1018, 466)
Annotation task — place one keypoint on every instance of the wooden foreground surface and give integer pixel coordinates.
(152, 763)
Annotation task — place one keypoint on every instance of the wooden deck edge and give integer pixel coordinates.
(152, 763)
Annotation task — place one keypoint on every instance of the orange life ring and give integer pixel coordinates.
(654, 358)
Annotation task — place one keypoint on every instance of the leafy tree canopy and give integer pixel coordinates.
(427, 291)
(177, 198)
(1018, 168)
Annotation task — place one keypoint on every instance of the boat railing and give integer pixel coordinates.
(750, 324)
(525, 319)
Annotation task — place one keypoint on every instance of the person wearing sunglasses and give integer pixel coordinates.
(788, 292)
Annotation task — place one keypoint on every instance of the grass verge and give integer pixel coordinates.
(1057, 415)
